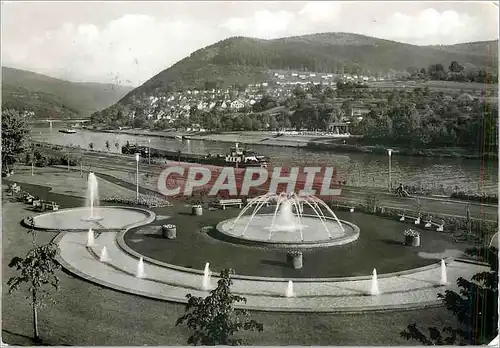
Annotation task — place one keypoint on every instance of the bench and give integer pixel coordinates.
(439, 226)
(14, 188)
(36, 202)
(228, 202)
(348, 207)
(416, 218)
(28, 198)
(47, 205)
(428, 223)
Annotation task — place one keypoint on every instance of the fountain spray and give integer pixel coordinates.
(206, 277)
(140, 269)
(289, 290)
(104, 255)
(90, 238)
(92, 195)
(444, 276)
(374, 291)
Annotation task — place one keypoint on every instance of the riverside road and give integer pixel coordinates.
(100, 162)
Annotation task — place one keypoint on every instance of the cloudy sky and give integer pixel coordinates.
(129, 42)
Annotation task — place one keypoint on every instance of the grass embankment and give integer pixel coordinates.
(87, 314)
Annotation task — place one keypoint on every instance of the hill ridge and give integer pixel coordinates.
(244, 60)
(53, 97)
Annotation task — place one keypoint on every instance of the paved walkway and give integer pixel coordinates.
(416, 289)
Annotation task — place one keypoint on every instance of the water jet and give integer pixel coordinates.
(104, 255)
(289, 290)
(374, 291)
(92, 197)
(140, 269)
(90, 238)
(444, 276)
(206, 277)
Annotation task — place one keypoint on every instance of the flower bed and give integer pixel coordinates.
(145, 200)
(493, 199)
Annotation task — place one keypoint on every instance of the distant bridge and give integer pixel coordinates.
(49, 121)
(63, 121)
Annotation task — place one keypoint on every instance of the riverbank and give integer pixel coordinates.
(309, 141)
(95, 158)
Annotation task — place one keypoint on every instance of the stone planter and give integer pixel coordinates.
(197, 210)
(169, 231)
(295, 260)
(413, 241)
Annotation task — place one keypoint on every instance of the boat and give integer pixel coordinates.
(67, 131)
(236, 157)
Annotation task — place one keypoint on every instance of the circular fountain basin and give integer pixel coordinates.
(257, 231)
(104, 218)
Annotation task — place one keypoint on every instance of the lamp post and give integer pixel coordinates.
(389, 152)
(137, 156)
(149, 151)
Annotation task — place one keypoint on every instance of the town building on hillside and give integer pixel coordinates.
(237, 105)
(338, 127)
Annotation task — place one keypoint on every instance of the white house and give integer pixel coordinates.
(237, 105)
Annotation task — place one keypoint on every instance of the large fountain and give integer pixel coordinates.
(92, 215)
(285, 220)
(92, 197)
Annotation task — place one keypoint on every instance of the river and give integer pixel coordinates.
(439, 174)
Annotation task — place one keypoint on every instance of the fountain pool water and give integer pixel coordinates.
(289, 290)
(206, 277)
(92, 196)
(280, 220)
(444, 276)
(140, 269)
(374, 291)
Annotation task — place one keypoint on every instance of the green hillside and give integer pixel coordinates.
(247, 60)
(50, 97)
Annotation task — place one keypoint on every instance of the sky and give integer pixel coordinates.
(129, 42)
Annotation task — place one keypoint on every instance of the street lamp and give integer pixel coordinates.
(137, 156)
(389, 152)
(149, 151)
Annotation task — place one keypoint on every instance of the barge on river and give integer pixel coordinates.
(237, 157)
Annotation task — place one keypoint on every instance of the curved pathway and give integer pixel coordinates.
(406, 290)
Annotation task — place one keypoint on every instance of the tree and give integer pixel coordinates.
(117, 145)
(247, 122)
(37, 271)
(14, 135)
(107, 145)
(455, 67)
(475, 307)
(213, 319)
(91, 146)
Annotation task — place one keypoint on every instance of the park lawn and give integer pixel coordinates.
(87, 314)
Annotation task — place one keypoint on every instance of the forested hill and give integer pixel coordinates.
(50, 97)
(246, 60)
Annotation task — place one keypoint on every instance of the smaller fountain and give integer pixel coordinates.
(289, 290)
(444, 277)
(90, 238)
(104, 255)
(374, 291)
(140, 269)
(206, 277)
